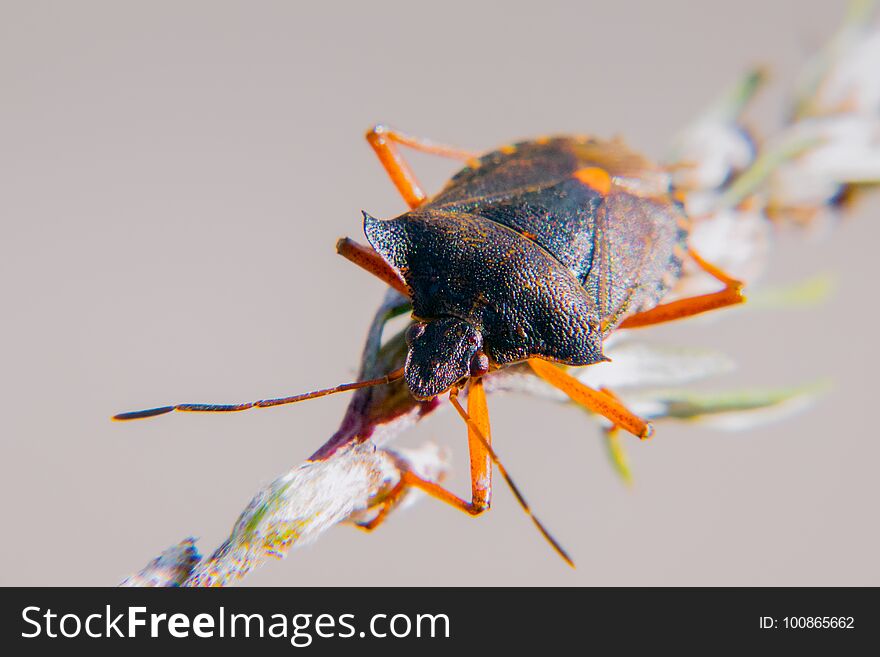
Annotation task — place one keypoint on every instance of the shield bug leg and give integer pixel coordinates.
(440, 493)
(387, 503)
(481, 468)
(598, 402)
(731, 295)
(480, 454)
(476, 432)
(481, 462)
(482, 458)
(368, 259)
(384, 141)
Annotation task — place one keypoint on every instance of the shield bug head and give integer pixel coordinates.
(441, 352)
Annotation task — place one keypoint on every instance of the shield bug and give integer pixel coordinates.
(534, 252)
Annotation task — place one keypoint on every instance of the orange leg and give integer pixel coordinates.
(435, 490)
(388, 502)
(482, 458)
(384, 141)
(481, 468)
(667, 312)
(481, 463)
(368, 259)
(599, 402)
(475, 433)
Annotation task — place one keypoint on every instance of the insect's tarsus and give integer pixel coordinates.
(263, 403)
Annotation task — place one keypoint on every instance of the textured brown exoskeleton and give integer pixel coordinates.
(533, 253)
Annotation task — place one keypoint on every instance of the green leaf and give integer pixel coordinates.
(740, 409)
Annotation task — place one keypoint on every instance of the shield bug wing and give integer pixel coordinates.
(627, 169)
(559, 217)
(508, 170)
(602, 210)
(639, 244)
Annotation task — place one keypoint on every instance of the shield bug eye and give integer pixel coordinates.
(479, 364)
(413, 332)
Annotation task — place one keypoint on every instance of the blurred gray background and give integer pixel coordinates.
(174, 176)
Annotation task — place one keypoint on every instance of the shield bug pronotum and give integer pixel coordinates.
(534, 252)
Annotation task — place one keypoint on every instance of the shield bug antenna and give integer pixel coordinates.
(263, 403)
